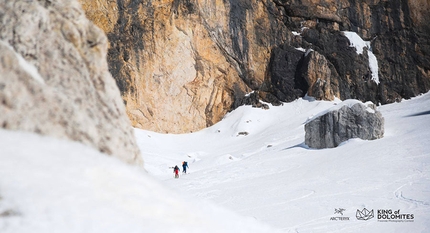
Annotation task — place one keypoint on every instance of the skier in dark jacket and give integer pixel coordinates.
(184, 166)
(176, 171)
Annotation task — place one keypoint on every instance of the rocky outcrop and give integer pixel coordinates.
(320, 75)
(54, 78)
(182, 64)
(395, 39)
(349, 120)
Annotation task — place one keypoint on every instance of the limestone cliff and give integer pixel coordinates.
(182, 64)
(54, 78)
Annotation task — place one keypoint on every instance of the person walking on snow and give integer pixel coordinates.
(184, 166)
(176, 171)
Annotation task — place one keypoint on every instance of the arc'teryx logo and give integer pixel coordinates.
(339, 211)
(364, 214)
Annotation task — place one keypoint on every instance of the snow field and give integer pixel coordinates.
(253, 163)
(270, 174)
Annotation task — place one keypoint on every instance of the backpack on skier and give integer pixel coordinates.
(184, 166)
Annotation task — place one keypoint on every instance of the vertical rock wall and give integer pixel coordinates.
(182, 64)
(54, 78)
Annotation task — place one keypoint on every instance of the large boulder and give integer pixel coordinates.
(351, 119)
(54, 78)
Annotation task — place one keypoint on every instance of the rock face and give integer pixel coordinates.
(54, 78)
(182, 64)
(337, 126)
(395, 38)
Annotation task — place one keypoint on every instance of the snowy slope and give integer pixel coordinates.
(271, 176)
(253, 162)
(48, 185)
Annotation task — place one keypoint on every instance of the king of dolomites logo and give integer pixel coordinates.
(390, 215)
(364, 214)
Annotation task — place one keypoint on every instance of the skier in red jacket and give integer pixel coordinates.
(176, 171)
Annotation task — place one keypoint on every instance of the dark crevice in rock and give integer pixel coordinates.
(284, 79)
(239, 39)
